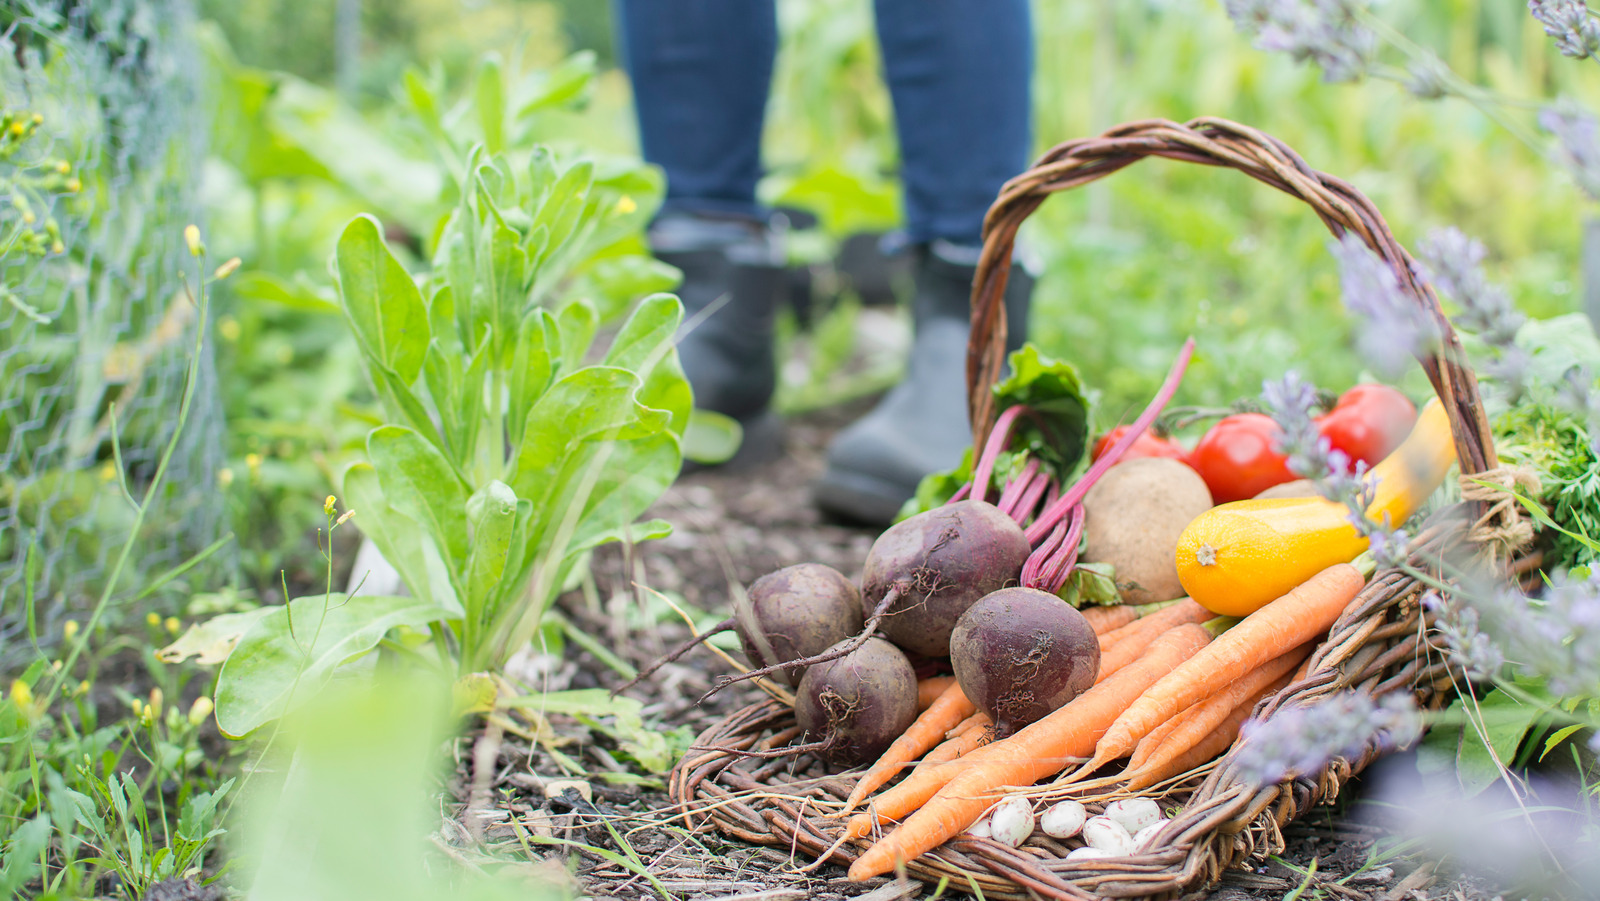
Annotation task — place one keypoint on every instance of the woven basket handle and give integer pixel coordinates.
(1209, 142)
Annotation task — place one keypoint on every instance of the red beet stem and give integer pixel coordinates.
(998, 436)
(1053, 514)
(1028, 504)
(1033, 567)
(1059, 567)
(960, 495)
(1016, 487)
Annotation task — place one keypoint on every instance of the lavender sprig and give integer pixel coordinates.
(1556, 636)
(1470, 647)
(1577, 34)
(1577, 135)
(1299, 740)
(1289, 401)
(1327, 32)
(1395, 328)
(1453, 263)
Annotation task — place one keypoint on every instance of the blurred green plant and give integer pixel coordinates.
(78, 799)
(291, 164)
(503, 458)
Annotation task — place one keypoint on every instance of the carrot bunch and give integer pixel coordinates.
(1169, 698)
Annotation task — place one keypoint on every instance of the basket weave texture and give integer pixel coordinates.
(1379, 646)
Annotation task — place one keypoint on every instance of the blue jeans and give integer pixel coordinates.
(958, 71)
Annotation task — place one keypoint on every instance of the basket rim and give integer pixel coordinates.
(1219, 143)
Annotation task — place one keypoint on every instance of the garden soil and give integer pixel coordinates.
(618, 835)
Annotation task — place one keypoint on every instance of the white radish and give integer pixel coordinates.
(1063, 820)
(1107, 835)
(1146, 835)
(1133, 814)
(1088, 854)
(1012, 821)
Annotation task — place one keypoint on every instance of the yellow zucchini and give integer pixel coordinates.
(1237, 557)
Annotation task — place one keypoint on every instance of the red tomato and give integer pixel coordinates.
(1368, 422)
(1236, 457)
(1146, 445)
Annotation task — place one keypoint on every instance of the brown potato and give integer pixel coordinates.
(1133, 517)
(1297, 488)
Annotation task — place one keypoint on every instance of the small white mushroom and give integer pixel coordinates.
(981, 829)
(1087, 853)
(1134, 814)
(1144, 836)
(1107, 835)
(1012, 821)
(1063, 820)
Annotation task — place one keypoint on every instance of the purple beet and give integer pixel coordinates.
(1020, 653)
(923, 573)
(853, 707)
(797, 612)
(937, 564)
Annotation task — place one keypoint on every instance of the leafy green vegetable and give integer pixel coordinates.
(1056, 433)
(1542, 433)
(1058, 430)
(505, 455)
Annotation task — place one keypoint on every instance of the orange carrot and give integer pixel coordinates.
(927, 731)
(963, 789)
(1299, 616)
(1120, 647)
(1303, 671)
(979, 720)
(929, 690)
(1198, 721)
(974, 732)
(1177, 755)
(1104, 619)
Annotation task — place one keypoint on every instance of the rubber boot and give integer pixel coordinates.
(733, 281)
(921, 425)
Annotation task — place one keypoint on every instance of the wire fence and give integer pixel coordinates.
(99, 175)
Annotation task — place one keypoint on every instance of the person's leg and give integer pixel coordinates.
(959, 72)
(701, 71)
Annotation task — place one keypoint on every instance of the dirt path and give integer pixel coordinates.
(738, 526)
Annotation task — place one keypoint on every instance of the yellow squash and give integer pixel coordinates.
(1235, 558)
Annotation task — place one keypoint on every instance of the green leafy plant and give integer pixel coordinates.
(505, 456)
(80, 797)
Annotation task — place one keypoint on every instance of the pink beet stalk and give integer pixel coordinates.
(1016, 488)
(1053, 514)
(1053, 575)
(998, 436)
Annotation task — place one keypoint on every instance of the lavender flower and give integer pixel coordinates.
(1299, 740)
(1394, 327)
(1454, 263)
(1427, 78)
(1470, 647)
(1577, 135)
(1577, 34)
(1290, 401)
(1556, 636)
(1327, 32)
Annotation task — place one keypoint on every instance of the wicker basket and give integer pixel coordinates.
(1380, 645)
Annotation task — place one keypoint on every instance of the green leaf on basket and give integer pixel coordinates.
(1059, 431)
